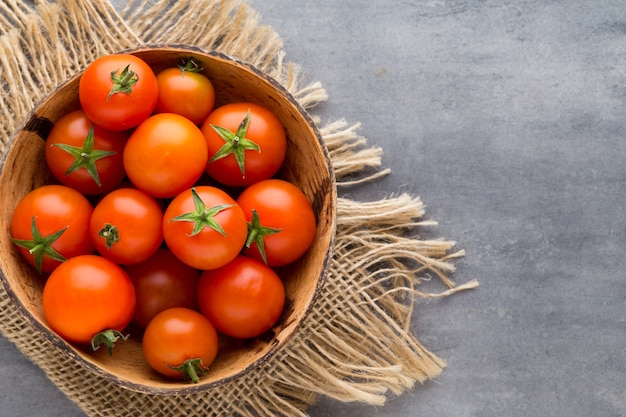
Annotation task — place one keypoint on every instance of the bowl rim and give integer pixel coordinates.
(41, 126)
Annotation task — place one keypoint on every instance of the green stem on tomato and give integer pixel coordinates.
(192, 369)
(257, 233)
(41, 246)
(235, 143)
(203, 216)
(110, 234)
(188, 65)
(85, 156)
(108, 339)
(124, 82)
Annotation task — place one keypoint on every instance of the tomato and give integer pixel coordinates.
(247, 143)
(88, 295)
(243, 299)
(186, 91)
(165, 155)
(83, 156)
(51, 224)
(126, 226)
(204, 227)
(180, 343)
(280, 219)
(162, 281)
(118, 91)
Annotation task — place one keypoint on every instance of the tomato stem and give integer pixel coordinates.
(85, 156)
(235, 143)
(108, 338)
(257, 233)
(203, 216)
(40, 246)
(110, 234)
(191, 369)
(189, 65)
(124, 82)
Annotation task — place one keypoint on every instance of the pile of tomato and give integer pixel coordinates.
(165, 212)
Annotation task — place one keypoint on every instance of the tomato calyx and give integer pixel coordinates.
(40, 246)
(124, 82)
(191, 369)
(236, 143)
(189, 65)
(203, 216)
(110, 234)
(257, 233)
(86, 156)
(108, 339)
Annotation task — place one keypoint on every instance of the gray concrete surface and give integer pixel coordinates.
(507, 118)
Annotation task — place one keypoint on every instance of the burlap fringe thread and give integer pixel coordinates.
(357, 344)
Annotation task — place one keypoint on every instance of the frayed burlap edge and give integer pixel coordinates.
(357, 344)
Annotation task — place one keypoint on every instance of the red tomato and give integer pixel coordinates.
(180, 343)
(165, 155)
(247, 143)
(204, 227)
(118, 91)
(126, 226)
(163, 281)
(284, 225)
(242, 299)
(85, 157)
(186, 91)
(87, 295)
(51, 224)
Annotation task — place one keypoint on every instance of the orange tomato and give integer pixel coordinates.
(126, 226)
(180, 343)
(246, 143)
(243, 299)
(87, 295)
(118, 91)
(165, 155)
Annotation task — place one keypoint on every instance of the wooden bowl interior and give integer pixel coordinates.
(307, 165)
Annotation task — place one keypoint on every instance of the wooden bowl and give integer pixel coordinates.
(307, 165)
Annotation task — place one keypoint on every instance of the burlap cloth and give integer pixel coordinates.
(357, 343)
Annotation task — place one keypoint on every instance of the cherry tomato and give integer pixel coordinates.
(51, 224)
(186, 91)
(87, 295)
(162, 281)
(204, 227)
(118, 91)
(180, 343)
(247, 143)
(126, 226)
(243, 299)
(84, 156)
(165, 155)
(281, 221)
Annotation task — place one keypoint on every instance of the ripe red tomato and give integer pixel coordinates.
(204, 227)
(87, 295)
(51, 224)
(126, 226)
(84, 156)
(118, 91)
(162, 281)
(186, 91)
(243, 299)
(284, 225)
(165, 155)
(180, 343)
(247, 143)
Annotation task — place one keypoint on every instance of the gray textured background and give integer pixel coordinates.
(507, 119)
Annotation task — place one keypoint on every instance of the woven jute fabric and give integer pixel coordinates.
(357, 344)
